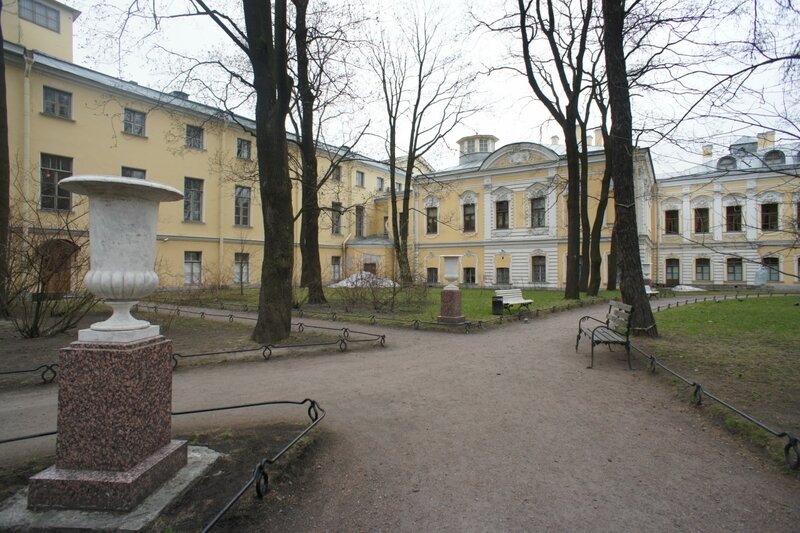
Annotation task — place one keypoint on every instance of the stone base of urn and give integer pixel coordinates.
(114, 442)
(451, 306)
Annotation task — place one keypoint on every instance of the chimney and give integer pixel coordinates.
(179, 94)
(766, 140)
(598, 136)
(554, 139)
(708, 152)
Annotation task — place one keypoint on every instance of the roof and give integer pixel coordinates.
(88, 76)
(746, 162)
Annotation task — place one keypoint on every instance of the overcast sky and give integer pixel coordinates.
(507, 107)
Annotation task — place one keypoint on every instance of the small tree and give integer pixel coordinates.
(46, 257)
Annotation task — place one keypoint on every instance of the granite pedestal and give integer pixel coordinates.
(451, 306)
(114, 442)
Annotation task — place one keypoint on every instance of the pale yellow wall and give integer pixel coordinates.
(32, 36)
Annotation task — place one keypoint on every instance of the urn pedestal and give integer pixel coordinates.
(450, 298)
(114, 442)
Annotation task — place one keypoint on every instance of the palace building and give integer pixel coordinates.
(501, 210)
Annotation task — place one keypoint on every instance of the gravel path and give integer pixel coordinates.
(498, 430)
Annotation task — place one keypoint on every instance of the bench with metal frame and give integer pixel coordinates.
(615, 330)
(513, 297)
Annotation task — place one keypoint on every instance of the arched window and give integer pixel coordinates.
(726, 163)
(774, 158)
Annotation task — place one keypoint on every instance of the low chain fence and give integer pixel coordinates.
(345, 337)
(791, 450)
(260, 476)
(722, 298)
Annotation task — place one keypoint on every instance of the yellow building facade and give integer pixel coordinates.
(732, 220)
(499, 214)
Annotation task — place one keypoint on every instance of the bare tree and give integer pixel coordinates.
(5, 183)
(424, 92)
(621, 146)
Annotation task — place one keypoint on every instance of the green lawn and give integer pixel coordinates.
(419, 303)
(745, 352)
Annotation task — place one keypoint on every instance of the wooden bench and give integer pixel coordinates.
(615, 330)
(513, 297)
(650, 291)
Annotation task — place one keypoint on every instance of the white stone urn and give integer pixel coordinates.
(123, 215)
(451, 272)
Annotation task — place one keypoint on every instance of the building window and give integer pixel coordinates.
(483, 145)
(192, 200)
(734, 269)
(244, 149)
(241, 207)
(129, 172)
(385, 226)
(54, 169)
(671, 222)
(134, 122)
(469, 217)
(192, 268)
(538, 213)
(432, 275)
(40, 14)
(501, 212)
(359, 178)
(241, 268)
(471, 146)
(726, 163)
(701, 220)
(337, 173)
(359, 221)
(503, 276)
(773, 264)
(702, 269)
(469, 275)
(379, 184)
(539, 273)
(769, 217)
(673, 272)
(336, 218)
(194, 137)
(733, 218)
(336, 268)
(57, 103)
(774, 158)
(431, 216)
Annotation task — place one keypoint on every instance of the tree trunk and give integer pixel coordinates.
(611, 285)
(586, 229)
(622, 158)
(571, 290)
(596, 259)
(311, 271)
(5, 185)
(269, 60)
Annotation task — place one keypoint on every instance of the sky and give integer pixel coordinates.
(506, 107)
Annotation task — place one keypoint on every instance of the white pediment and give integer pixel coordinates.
(519, 154)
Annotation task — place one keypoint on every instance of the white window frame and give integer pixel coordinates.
(192, 268)
(244, 149)
(241, 268)
(56, 103)
(242, 204)
(193, 199)
(134, 122)
(40, 14)
(195, 137)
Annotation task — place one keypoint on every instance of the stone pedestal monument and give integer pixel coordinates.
(114, 442)
(451, 295)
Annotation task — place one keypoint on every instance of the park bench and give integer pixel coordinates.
(513, 297)
(615, 330)
(650, 291)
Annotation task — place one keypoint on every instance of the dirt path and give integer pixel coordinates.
(500, 430)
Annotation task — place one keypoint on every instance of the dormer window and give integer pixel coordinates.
(40, 14)
(726, 163)
(483, 145)
(774, 158)
(471, 146)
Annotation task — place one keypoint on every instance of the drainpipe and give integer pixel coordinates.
(344, 254)
(220, 204)
(26, 139)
